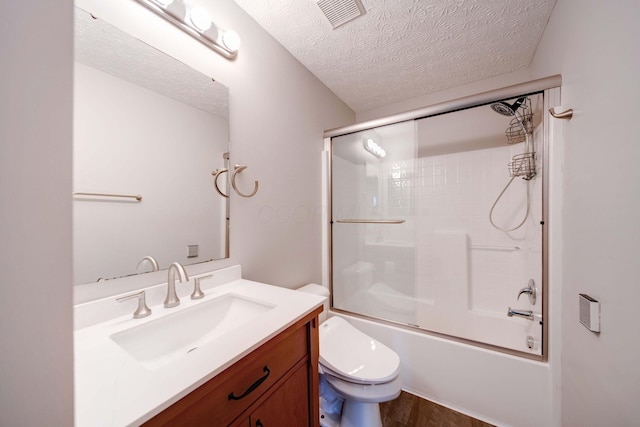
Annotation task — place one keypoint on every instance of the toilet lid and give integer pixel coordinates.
(354, 355)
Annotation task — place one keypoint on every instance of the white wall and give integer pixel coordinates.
(130, 140)
(594, 45)
(35, 213)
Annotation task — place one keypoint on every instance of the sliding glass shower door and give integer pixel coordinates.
(373, 222)
(437, 224)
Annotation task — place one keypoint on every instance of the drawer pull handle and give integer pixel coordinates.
(253, 386)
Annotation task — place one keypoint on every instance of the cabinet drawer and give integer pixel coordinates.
(288, 406)
(222, 399)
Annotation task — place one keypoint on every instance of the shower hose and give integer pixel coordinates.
(515, 175)
(526, 214)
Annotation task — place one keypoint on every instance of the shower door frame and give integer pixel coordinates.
(549, 88)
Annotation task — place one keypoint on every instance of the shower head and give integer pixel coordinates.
(505, 109)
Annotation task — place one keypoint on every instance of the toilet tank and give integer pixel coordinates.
(314, 288)
(357, 277)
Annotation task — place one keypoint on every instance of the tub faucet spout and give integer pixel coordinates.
(172, 299)
(526, 314)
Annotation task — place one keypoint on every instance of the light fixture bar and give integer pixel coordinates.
(158, 10)
(374, 148)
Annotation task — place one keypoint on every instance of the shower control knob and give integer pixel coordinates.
(529, 290)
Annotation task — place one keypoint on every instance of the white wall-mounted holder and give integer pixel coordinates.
(589, 313)
(196, 22)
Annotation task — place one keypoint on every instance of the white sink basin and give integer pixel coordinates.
(161, 341)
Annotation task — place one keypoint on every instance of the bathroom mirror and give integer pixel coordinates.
(145, 125)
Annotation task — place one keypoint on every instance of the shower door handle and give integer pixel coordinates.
(370, 221)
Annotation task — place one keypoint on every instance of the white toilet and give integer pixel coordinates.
(358, 368)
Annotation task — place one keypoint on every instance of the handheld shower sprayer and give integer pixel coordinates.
(521, 165)
(502, 107)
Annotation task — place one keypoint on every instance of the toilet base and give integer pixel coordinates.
(359, 414)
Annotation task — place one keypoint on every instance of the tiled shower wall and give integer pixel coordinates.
(454, 193)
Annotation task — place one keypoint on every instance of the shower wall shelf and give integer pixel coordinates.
(126, 196)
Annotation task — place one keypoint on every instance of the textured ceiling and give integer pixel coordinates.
(107, 48)
(401, 49)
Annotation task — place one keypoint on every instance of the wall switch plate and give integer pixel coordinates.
(193, 251)
(590, 313)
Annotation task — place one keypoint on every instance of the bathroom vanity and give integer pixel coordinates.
(253, 363)
(271, 386)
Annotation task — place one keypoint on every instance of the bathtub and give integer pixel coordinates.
(494, 387)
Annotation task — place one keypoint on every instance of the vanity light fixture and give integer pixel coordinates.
(374, 148)
(199, 19)
(196, 22)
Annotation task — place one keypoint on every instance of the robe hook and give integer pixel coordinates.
(566, 114)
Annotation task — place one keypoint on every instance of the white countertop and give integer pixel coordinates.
(114, 389)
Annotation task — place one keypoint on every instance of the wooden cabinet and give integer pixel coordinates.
(275, 385)
(284, 407)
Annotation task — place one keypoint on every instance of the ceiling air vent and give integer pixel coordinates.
(339, 12)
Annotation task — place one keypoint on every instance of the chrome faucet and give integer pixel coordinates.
(172, 299)
(525, 314)
(151, 260)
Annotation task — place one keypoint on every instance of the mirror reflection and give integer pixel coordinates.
(144, 124)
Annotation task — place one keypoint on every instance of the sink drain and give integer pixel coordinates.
(194, 348)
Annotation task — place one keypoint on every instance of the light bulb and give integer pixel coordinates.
(371, 146)
(200, 19)
(231, 40)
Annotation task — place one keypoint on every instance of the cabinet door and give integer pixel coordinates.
(287, 406)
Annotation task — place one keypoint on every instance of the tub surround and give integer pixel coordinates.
(112, 388)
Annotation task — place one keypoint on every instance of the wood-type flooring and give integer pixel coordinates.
(409, 410)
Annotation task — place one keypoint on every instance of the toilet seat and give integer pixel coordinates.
(367, 361)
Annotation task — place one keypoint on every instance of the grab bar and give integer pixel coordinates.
(370, 221)
(137, 197)
(496, 248)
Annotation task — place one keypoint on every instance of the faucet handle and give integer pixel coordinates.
(142, 310)
(197, 292)
(529, 290)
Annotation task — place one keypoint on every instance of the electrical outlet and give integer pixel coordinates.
(193, 251)
(590, 313)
